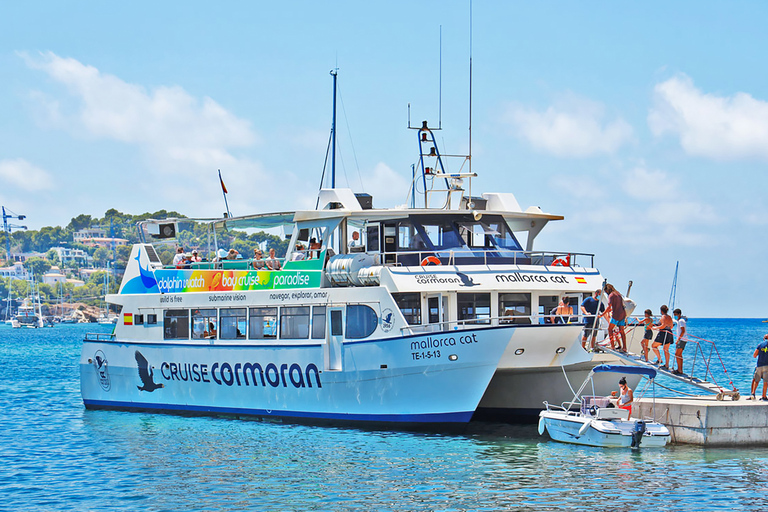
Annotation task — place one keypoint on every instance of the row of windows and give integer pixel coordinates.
(260, 323)
(476, 307)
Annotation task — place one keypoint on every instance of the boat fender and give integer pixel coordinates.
(584, 428)
(430, 260)
(542, 426)
(559, 262)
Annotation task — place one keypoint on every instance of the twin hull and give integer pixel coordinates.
(383, 380)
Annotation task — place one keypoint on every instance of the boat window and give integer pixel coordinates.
(372, 233)
(408, 237)
(294, 322)
(502, 236)
(176, 324)
(151, 319)
(547, 307)
(442, 235)
(410, 306)
(204, 324)
(263, 323)
(515, 308)
(233, 323)
(318, 322)
(474, 308)
(138, 319)
(361, 321)
(336, 329)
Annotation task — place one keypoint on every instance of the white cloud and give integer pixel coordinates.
(167, 122)
(386, 186)
(573, 127)
(24, 175)
(649, 184)
(719, 127)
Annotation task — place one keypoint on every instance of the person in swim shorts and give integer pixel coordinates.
(761, 372)
(664, 338)
(618, 317)
(648, 334)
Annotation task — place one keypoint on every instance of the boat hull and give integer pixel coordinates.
(577, 429)
(381, 381)
(516, 394)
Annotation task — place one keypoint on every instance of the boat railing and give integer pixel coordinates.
(486, 321)
(485, 256)
(99, 336)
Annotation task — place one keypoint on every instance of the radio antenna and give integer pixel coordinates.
(440, 85)
(469, 157)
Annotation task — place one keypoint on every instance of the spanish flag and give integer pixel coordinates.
(223, 188)
(127, 318)
(581, 280)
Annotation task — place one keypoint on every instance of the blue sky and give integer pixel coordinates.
(645, 124)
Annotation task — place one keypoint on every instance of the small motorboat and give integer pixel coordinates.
(598, 422)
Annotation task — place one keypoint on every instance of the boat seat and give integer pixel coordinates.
(613, 413)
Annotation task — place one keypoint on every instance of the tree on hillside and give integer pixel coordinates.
(38, 266)
(80, 222)
(101, 256)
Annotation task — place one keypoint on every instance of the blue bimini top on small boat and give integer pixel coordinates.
(616, 368)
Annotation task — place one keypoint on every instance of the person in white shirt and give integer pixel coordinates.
(179, 257)
(355, 242)
(681, 341)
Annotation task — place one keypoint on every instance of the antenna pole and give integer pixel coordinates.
(470, 88)
(440, 85)
(334, 72)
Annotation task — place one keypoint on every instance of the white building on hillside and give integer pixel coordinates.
(67, 255)
(15, 271)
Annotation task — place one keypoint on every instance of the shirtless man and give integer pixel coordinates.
(664, 337)
(618, 316)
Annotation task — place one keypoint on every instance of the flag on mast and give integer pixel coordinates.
(224, 193)
(223, 187)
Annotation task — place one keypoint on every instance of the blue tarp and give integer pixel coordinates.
(615, 368)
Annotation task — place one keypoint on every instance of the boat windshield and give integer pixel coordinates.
(454, 233)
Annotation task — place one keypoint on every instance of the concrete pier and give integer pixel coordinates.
(706, 421)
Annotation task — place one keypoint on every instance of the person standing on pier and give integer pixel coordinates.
(664, 338)
(681, 341)
(761, 372)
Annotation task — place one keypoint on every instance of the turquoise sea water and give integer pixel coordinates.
(55, 455)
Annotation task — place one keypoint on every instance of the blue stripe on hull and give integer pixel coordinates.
(452, 417)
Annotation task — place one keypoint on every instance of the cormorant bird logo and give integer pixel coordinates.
(465, 279)
(146, 374)
(387, 320)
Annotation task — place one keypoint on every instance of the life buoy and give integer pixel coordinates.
(560, 262)
(430, 260)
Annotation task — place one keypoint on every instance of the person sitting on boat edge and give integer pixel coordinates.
(563, 311)
(589, 310)
(625, 396)
(272, 262)
(761, 372)
(664, 337)
(258, 263)
(681, 341)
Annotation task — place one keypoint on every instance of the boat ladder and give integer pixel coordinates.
(711, 387)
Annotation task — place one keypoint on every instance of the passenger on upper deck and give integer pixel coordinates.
(258, 263)
(195, 258)
(315, 247)
(272, 262)
(233, 255)
(298, 253)
(355, 242)
(177, 259)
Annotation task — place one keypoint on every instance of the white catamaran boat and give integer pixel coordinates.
(598, 422)
(403, 315)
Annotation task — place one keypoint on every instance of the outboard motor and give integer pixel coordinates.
(637, 433)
